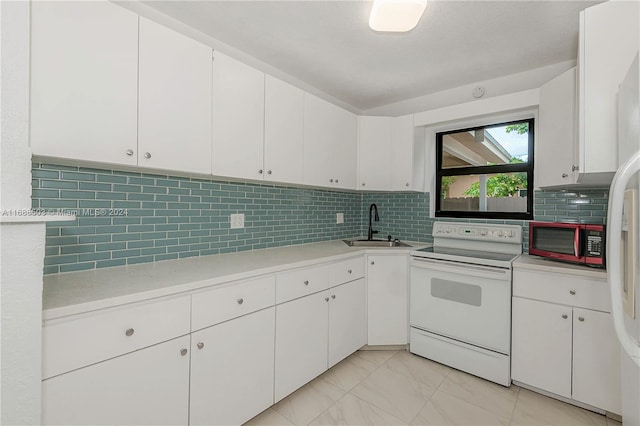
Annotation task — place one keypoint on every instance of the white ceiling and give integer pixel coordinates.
(328, 44)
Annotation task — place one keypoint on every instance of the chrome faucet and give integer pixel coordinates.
(372, 207)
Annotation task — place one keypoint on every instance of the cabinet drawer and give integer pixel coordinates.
(346, 270)
(73, 342)
(300, 282)
(572, 290)
(216, 305)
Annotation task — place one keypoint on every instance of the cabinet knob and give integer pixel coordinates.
(406, 184)
(129, 152)
(260, 171)
(183, 351)
(326, 299)
(147, 155)
(373, 263)
(564, 175)
(572, 292)
(580, 319)
(349, 271)
(129, 332)
(575, 168)
(240, 301)
(268, 172)
(336, 180)
(306, 282)
(331, 180)
(564, 316)
(363, 184)
(200, 345)
(333, 296)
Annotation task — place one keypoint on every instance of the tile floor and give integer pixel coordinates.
(399, 388)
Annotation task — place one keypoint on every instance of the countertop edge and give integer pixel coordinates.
(534, 263)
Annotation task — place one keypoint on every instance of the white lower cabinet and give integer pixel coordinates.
(302, 336)
(387, 301)
(347, 320)
(232, 370)
(559, 346)
(146, 387)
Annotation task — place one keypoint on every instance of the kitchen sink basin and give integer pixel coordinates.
(375, 243)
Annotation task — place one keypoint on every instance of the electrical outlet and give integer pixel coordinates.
(237, 221)
(339, 217)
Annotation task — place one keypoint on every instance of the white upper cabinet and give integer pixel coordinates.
(330, 144)
(84, 77)
(556, 140)
(386, 154)
(175, 101)
(374, 147)
(283, 131)
(609, 34)
(238, 119)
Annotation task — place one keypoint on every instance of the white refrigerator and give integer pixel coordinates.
(623, 240)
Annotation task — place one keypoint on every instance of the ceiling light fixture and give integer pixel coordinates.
(396, 15)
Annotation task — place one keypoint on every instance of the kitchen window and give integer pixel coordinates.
(486, 172)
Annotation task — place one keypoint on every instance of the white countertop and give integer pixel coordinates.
(536, 263)
(78, 292)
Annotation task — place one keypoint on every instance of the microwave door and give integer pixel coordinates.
(557, 242)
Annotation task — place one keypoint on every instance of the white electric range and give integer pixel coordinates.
(460, 310)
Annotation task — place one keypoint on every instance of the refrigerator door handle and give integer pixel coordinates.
(614, 270)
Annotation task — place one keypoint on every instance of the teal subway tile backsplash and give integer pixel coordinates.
(128, 218)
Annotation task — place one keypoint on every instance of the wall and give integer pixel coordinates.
(171, 217)
(22, 245)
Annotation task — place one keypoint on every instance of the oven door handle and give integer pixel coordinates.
(459, 267)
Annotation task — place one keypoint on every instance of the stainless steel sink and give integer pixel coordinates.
(375, 243)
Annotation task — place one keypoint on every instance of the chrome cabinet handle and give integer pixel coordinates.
(268, 172)
(373, 263)
(349, 271)
(306, 282)
(564, 316)
(129, 332)
(333, 296)
(200, 345)
(575, 168)
(406, 184)
(336, 180)
(580, 319)
(147, 155)
(326, 299)
(564, 175)
(260, 171)
(183, 351)
(331, 180)
(363, 184)
(572, 292)
(129, 152)
(240, 301)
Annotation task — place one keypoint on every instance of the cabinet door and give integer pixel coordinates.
(402, 157)
(330, 144)
(609, 34)
(387, 300)
(596, 360)
(556, 140)
(374, 149)
(84, 79)
(238, 119)
(541, 345)
(175, 101)
(146, 387)
(232, 370)
(301, 342)
(283, 131)
(347, 320)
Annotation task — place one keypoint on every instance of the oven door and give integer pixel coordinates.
(470, 303)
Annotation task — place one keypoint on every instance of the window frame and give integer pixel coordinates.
(485, 170)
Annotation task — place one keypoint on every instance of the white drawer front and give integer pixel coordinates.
(216, 305)
(76, 341)
(300, 282)
(565, 289)
(346, 270)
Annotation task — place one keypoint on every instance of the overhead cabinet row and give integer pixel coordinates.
(110, 87)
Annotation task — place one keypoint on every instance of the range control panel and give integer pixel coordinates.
(479, 232)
